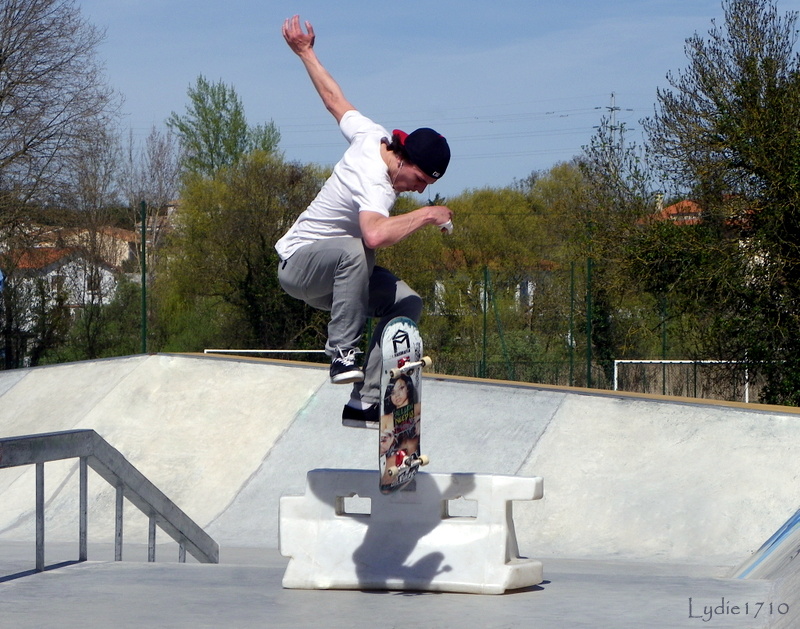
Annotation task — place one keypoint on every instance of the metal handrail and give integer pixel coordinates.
(95, 452)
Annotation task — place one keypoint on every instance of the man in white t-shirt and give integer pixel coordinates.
(328, 255)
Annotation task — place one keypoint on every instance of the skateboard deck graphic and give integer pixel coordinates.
(399, 451)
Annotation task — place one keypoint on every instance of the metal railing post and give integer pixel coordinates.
(83, 510)
(151, 541)
(118, 525)
(39, 517)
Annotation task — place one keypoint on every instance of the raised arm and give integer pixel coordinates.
(302, 43)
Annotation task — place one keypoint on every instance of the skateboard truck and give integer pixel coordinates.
(406, 462)
(405, 367)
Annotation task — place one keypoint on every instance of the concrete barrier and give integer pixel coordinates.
(445, 533)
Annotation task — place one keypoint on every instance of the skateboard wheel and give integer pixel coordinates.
(395, 373)
(392, 472)
(426, 361)
(423, 459)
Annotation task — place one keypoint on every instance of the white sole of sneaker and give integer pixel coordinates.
(348, 378)
(356, 423)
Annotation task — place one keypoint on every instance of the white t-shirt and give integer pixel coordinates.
(359, 183)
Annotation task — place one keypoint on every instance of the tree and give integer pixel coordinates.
(151, 175)
(496, 299)
(728, 133)
(55, 107)
(214, 131)
(221, 261)
(90, 195)
(101, 331)
(728, 125)
(53, 96)
(616, 196)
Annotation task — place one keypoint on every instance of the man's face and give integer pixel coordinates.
(411, 179)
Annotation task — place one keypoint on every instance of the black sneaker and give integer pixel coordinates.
(356, 418)
(344, 369)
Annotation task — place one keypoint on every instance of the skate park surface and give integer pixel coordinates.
(655, 511)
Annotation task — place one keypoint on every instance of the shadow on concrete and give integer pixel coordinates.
(30, 573)
(382, 560)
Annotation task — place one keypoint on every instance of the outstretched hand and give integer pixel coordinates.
(298, 40)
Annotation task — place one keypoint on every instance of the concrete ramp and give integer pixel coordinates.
(197, 428)
(625, 476)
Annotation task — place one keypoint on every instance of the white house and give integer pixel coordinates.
(65, 271)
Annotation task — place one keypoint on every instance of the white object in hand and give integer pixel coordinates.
(447, 228)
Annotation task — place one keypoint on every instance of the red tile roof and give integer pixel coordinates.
(42, 257)
(684, 212)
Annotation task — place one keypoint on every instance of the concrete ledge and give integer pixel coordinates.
(446, 533)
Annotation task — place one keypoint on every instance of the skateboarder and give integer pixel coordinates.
(327, 258)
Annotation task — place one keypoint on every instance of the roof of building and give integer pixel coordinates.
(42, 257)
(685, 212)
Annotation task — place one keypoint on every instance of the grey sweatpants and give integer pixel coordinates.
(339, 275)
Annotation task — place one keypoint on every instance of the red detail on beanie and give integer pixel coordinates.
(400, 134)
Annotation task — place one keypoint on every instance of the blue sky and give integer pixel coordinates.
(514, 85)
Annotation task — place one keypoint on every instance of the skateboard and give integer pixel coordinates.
(399, 452)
